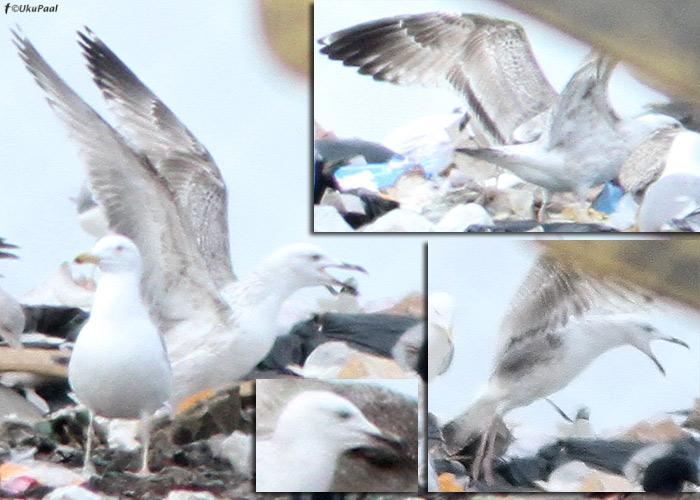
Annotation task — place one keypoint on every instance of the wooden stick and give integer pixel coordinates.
(47, 362)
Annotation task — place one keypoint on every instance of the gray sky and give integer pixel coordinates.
(354, 105)
(208, 63)
(621, 387)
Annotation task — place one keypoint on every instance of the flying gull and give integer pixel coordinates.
(160, 187)
(119, 367)
(568, 142)
(313, 430)
(11, 315)
(560, 321)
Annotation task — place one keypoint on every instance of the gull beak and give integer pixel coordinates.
(646, 349)
(392, 441)
(86, 257)
(674, 340)
(388, 440)
(341, 265)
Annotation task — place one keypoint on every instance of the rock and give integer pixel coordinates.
(190, 495)
(400, 220)
(223, 413)
(75, 493)
(344, 203)
(459, 218)
(236, 448)
(414, 191)
(15, 408)
(327, 219)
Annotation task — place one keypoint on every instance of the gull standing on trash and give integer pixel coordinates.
(560, 321)
(159, 186)
(313, 430)
(119, 366)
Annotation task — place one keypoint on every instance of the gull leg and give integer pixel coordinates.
(488, 458)
(145, 443)
(88, 467)
(542, 212)
(477, 464)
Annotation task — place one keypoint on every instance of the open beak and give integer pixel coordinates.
(342, 265)
(646, 349)
(674, 340)
(86, 257)
(388, 440)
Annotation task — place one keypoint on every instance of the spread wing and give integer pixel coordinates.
(554, 293)
(181, 160)
(136, 200)
(488, 61)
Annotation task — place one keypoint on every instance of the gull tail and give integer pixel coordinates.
(474, 421)
(521, 159)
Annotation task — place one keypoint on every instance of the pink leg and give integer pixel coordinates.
(478, 465)
(488, 459)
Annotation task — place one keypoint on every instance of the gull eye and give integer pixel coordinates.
(344, 414)
(120, 248)
(316, 257)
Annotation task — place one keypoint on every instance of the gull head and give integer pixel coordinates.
(441, 310)
(304, 265)
(331, 419)
(113, 253)
(640, 335)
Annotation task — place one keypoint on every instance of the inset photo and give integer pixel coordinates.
(473, 116)
(565, 366)
(340, 436)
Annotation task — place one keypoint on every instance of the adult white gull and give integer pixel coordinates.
(160, 187)
(568, 142)
(560, 320)
(313, 430)
(119, 367)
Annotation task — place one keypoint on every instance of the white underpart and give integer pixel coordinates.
(119, 367)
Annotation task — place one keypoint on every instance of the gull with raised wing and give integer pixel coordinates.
(568, 142)
(560, 321)
(160, 187)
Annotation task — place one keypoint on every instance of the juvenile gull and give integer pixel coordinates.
(160, 187)
(441, 307)
(119, 366)
(559, 322)
(314, 429)
(568, 142)
(11, 315)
